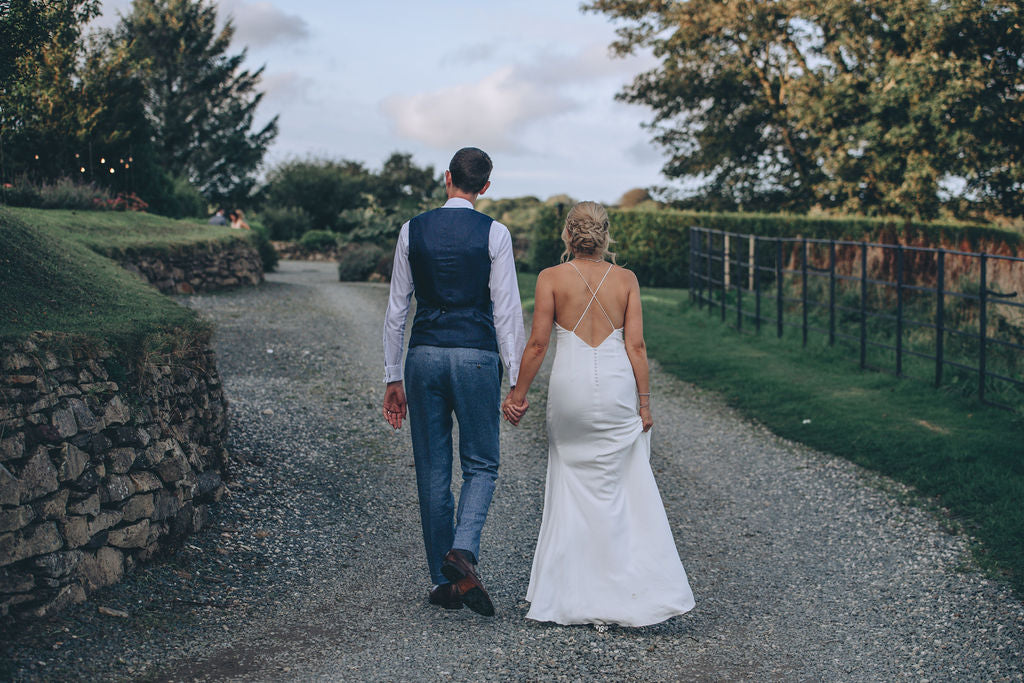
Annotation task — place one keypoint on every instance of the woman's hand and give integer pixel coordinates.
(513, 409)
(645, 417)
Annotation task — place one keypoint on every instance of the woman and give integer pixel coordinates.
(605, 553)
(238, 220)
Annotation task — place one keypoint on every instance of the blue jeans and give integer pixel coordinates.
(439, 382)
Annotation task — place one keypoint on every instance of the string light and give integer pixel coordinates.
(37, 157)
(102, 160)
(81, 170)
(111, 169)
(127, 166)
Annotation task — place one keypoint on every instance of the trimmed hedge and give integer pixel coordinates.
(656, 244)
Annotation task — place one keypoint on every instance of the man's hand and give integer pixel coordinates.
(394, 404)
(514, 410)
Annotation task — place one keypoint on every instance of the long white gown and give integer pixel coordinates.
(605, 554)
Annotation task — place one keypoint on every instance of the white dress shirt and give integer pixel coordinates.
(507, 308)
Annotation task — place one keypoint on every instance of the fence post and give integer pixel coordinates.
(940, 315)
(690, 268)
(757, 288)
(803, 293)
(832, 293)
(778, 286)
(983, 326)
(751, 261)
(725, 271)
(863, 304)
(738, 279)
(899, 310)
(707, 269)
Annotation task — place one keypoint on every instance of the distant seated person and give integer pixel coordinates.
(218, 218)
(238, 220)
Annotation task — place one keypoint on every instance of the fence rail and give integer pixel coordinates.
(904, 302)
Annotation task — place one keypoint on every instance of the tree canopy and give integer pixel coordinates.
(882, 107)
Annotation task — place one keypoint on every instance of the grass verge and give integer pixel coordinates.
(964, 455)
(115, 233)
(55, 284)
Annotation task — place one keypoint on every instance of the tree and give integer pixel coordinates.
(868, 107)
(199, 102)
(40, 88)
(322, 188)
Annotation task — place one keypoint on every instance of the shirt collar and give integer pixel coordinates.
(458, 203)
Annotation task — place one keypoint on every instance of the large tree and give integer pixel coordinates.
(199, 101)
(868, 107)
(41, 46)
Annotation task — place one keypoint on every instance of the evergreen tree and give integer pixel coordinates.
(199, 101)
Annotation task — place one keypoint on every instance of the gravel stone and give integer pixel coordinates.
(804, 566)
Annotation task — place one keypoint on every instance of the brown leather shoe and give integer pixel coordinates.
(459, 570)
(445, 596)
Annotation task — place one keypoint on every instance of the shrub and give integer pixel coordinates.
(176, 198)
(268, 255)
(65, 193)
(656, 244)
(285, 222)
(319, 240)
(357, 261)
(21, 193)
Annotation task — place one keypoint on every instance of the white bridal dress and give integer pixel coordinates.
(605, 554)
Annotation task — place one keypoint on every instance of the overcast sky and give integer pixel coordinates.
(531, 82)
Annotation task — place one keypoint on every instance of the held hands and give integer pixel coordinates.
(513, 409)
(394, 404)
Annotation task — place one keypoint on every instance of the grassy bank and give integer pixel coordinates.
(52, 282)
(116, 232)
(964, 455)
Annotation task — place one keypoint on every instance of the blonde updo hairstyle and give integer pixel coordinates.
(586, 232)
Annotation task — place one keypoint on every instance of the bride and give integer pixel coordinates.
(605, 554)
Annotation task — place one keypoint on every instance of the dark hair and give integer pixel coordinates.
(470, 169)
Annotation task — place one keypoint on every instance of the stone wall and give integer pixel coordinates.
(201, 268)
(101, 465)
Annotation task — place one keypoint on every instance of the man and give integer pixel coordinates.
(218, 218)
(469, 320)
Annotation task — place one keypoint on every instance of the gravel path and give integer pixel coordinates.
(804, 567)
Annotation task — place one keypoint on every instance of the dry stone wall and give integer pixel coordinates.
(101, 466)
(202, 268)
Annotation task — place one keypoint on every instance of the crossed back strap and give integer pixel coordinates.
(593, 296)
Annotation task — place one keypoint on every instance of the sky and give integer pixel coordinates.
(531, 82)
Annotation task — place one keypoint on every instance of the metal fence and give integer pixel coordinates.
(889, 302)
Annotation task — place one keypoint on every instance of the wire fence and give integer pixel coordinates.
(956, 317)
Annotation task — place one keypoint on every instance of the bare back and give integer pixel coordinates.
(592, 318)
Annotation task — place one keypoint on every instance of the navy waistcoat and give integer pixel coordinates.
(451, 272)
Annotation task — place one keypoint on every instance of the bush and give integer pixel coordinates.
(268, 255)
(176, 198)
(319, 240)
(656, 244)
(285, 222)
(64, 193)
(357, 261)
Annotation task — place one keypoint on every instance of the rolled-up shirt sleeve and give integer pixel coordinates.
(507, 307)
(398, 308)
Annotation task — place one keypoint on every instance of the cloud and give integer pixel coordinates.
(284, 88)
(496, 109)
(488, 113)
(258, 24)
(467, 55)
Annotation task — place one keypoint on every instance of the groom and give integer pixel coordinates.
(469, 320)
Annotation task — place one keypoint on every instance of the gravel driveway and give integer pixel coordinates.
(804, 567)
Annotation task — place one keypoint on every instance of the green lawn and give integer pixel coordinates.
(52, 282)
(117, 232)
(963, 455)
